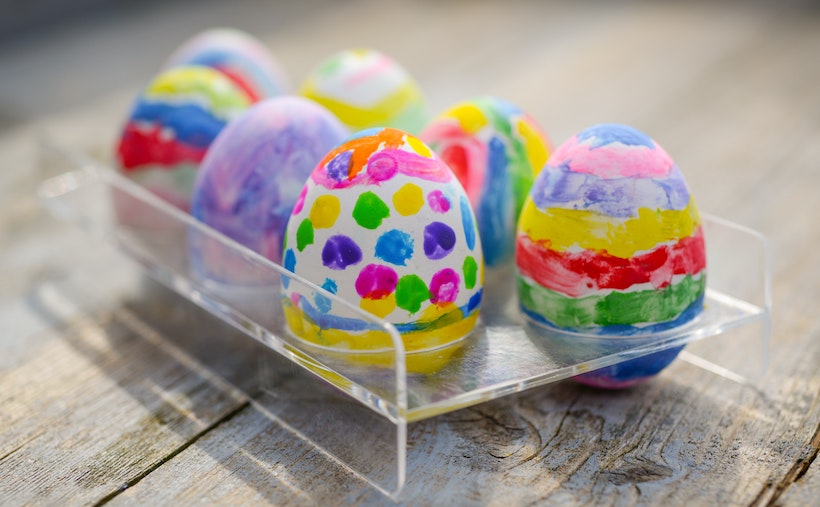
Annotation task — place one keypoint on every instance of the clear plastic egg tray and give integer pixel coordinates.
(355, 407)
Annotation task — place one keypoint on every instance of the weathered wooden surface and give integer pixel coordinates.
(104, 398)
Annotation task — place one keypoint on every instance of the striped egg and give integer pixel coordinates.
(367, 89)
(496, 150)
(170, 127)
(383, 223)
(238, 56)
(610, 243)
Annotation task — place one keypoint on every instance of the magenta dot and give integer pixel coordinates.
(438, 202)
(381, 167)
(300, 201)
(444, 286)
(376, 282)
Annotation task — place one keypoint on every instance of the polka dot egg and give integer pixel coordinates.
(383, 223)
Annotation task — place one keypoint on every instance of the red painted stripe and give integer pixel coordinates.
(242, 82)
(141, 146)
(579, 273)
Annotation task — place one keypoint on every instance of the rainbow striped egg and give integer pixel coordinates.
(610, 243)
(496, 150)
(383, 223)
(171, 125)
(367, 89)
(238, 56)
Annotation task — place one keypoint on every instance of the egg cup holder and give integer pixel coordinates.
(354, 407)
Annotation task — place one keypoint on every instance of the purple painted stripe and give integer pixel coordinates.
(558, 187)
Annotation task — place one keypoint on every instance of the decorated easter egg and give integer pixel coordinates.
(249, 181)
(496, 150)
(365, 89)
(384, 224)
(171, 126)
(610, 243)
(239, 56)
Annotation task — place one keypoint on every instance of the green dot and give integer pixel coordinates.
(470, 268)
(370, 210)
(411, 292)
(304, 234)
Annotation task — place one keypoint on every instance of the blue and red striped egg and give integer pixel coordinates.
(170, 128)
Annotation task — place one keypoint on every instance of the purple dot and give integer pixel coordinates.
(444, 286)
(339, 166)
(340, 252)
(438, 202)
(439, 240)
(376, 282)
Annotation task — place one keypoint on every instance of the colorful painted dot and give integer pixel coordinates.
(438, 202)
(290, 265)
(419, 147)
(467, 223)
(340, 252)
(411, 292)
(439, 240)
(409, 199)
(379, 307)
(376, 281)
(470, 269)
(325, 211)
(304, 234)
(330, 286)
(444, 287)
(338, 168)
(323, 303)
(370, 210)
(471, 118)
(381, 167)
(395, 247)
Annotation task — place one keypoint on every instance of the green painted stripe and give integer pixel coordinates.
(615, 308)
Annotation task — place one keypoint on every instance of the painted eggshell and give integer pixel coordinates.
(239, 56)
(365, 89)
(249, 181)
(496, 150)
(383, 223)
(171, 126)
(610, 243)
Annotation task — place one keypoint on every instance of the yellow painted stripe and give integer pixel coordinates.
(562, 229)
(379, 113)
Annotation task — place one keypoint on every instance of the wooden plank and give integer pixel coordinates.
(99, 404)
(801, 486)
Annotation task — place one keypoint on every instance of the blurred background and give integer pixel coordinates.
(57, 55)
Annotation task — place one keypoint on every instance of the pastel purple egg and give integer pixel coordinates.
(251, 178)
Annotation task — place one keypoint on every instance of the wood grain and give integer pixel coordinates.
(105, 398)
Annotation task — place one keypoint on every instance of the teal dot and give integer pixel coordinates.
(395, 247)
(323, 303)
(290, 265)
(467, 222)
